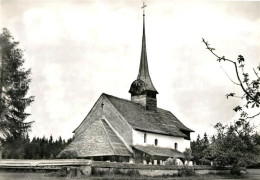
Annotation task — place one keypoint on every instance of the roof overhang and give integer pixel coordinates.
(159, 151)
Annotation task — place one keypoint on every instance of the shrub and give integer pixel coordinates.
(186, 171)
(236, 170)
(67, 155)
(133, 172)
(117, 171)
(170, 161)
(95, 172)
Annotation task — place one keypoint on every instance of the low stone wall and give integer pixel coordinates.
(148, 172)
(76, 167)
(212, 171)
(151, 170)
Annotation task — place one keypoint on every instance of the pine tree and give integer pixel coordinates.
(206, 140)
(14, 85)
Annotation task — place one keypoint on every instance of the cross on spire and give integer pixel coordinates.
(144, 6)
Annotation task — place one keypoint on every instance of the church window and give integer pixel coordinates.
(176, 146)
(156, 142)
(144, 137)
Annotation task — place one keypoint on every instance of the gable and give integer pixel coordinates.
(94, 114)
(104, 108)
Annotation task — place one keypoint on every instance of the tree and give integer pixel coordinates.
(205, 140)
(198, 149)
(187, 154)
(234, 146)
(14, 85)
(248, 84)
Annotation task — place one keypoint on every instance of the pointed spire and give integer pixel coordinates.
(142, 89)
(143, 69)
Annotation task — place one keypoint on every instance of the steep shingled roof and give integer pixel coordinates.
(97, 140)
(160, 121)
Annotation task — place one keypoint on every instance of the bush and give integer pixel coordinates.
(67, 155)
(133, 172)
(186, 171)
(236, 170)
(95, 172)
(170, 161)
(116, 171)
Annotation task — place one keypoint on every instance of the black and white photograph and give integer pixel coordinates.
(129, 89)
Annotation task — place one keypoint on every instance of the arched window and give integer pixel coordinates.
(156, 142)
(176, 146)
(144, 137)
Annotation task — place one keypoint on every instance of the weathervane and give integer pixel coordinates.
(144, 6)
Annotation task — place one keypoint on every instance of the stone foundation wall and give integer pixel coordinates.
(148, 172)
(212, 171)
(80, 167)
(152, 170)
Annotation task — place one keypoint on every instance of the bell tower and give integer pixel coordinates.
(142, 89)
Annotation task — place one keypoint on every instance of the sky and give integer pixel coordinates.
(79, 49)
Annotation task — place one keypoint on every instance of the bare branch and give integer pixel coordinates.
(236, 68)
(256, 73)
(251, 117)
(240, 97)
(229, 77)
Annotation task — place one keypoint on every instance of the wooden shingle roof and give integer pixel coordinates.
(97, 140)
(160, 121)
(158, 151)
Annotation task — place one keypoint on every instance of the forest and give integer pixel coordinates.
(35, 148)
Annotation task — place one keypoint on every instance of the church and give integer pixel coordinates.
(135, 131)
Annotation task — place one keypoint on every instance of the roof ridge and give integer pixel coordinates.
(118, 98)
(116, 133)
(132, 101)
(109, 140)
(129, 101)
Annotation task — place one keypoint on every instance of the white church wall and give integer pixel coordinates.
(163, 140)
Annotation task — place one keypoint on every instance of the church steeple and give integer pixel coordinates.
(142, 89)
(143, 68)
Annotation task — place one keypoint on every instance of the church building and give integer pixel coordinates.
(135, 131)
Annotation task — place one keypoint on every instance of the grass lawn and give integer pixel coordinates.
(253, 174)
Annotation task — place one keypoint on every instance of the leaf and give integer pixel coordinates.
(230, 95)
(245, 74)
(239, 123)
(238, 108)
(243, 114)
(242, 65)
(255, 84)
(240, 59)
